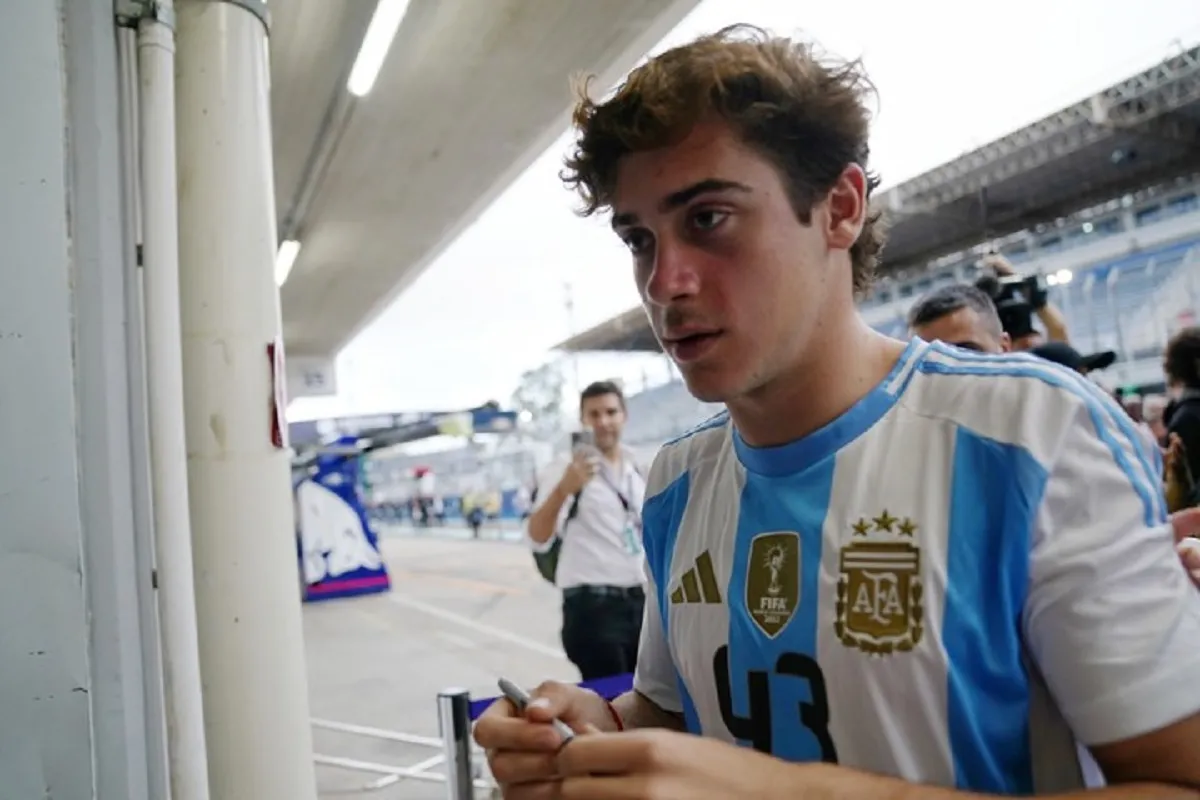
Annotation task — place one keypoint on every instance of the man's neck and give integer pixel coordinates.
(845, 366)
(612, 455)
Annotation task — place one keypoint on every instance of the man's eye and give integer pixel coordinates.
(637, 241)
(708, 219)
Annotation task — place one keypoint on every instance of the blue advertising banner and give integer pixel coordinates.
(339, 553)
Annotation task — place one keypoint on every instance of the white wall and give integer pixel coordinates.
(73, 702)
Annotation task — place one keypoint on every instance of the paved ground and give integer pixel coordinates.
(461, 613)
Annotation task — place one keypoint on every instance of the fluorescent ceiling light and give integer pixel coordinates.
(284, 260)
(375, 45)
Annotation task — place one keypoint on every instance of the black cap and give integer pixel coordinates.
(1063, 353)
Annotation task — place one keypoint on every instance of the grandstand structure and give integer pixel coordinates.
(1102, 198)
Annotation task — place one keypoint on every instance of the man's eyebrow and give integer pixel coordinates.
(684, 196)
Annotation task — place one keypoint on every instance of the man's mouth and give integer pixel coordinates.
(689, 347)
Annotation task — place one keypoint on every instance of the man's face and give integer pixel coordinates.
(736, 287)
(605, 416)
(964, 328)
(1027, 342)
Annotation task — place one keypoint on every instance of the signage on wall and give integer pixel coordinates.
(309, 376)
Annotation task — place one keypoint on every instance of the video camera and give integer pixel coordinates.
(1017, 298)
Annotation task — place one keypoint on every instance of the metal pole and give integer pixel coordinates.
(569, 305)
(248, 603)
(154, 688)
(454, 723)
(186, 747)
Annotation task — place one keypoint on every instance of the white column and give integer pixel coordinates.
(247, 586)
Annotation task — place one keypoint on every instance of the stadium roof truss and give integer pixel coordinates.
(1137, 133)
(627, 332)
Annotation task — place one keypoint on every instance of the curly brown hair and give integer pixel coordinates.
(808, 116)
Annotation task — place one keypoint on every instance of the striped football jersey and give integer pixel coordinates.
(963, 581)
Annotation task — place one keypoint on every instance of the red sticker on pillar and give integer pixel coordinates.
(278, 394)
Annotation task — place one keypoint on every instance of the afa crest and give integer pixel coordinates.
(879, 592)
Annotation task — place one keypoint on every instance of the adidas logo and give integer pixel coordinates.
(698, 584)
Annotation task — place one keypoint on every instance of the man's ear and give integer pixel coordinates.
(847, 202)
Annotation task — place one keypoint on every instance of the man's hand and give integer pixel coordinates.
(581, 470)
(998, 264)
(664, 765)
(521, 750)
(1186, 525)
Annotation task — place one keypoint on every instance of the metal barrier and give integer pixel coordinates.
(454, 722)
(455, 763)
(456, 713)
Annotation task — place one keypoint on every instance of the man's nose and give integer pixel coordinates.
(673, 275)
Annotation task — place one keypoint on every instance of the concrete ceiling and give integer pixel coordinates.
(470, 94)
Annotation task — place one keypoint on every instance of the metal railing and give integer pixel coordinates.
(452, 762)
(459, 769)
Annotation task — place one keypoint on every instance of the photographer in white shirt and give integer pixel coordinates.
(587, 517)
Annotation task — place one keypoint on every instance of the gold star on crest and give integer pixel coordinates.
(907, 527)
(861, 528)
(885, 522)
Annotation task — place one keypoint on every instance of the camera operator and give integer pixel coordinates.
(586, 532)
(1018, 299)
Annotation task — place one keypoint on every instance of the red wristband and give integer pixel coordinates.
(616, 717)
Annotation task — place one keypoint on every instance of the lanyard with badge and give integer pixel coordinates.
(631, 533)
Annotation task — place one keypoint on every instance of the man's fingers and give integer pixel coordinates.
(514, 768)
(1189, 554)
(501, 708)
(546, 790)
(1186, 523)
(551, 700)
(498, 733)
(498, 711)
(604, 754)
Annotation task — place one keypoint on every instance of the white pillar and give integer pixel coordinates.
(247, 587)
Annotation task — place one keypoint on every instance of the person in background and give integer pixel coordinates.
(474, 513)
(592, 512)
(1053, 320)
(1154, 407)
(1181, 367)
(1066, 355)
(961, 315)
(964, 315)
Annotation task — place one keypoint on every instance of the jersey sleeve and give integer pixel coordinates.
(1111, 617)
(655, 675)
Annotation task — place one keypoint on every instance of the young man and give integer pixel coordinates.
(891, 570)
